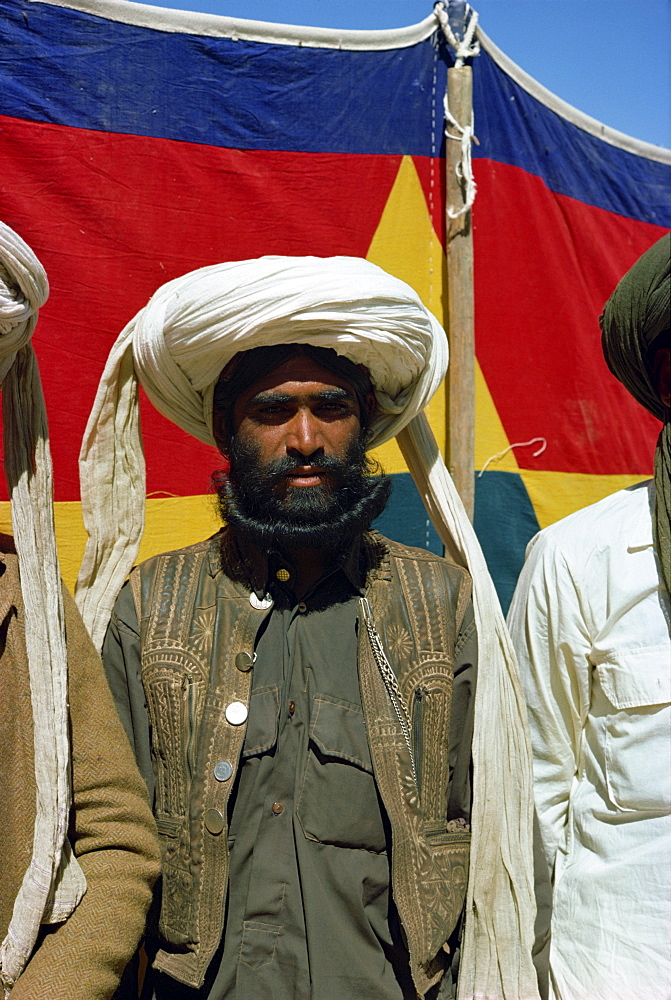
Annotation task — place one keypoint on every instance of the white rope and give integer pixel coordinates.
(518, 444)
(466, 47)
(464, 168)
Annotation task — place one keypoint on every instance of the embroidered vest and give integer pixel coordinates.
(197, 630)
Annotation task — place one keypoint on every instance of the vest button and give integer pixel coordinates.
(260, 603)
(244, 661)
(214, 821)
(277, 808)
(223, 769)
(236, 713)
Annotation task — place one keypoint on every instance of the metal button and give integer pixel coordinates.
(236, 713)
(244, 661)
(277, 808)
(302, 607)
(292, 707)
(260, 603)
(283, 575)
(214, 821)
(223, 769)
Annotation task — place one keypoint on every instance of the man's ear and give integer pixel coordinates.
(220, 433)
(662, 371)
(370, 405)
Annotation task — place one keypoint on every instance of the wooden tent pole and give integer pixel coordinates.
(460, 311)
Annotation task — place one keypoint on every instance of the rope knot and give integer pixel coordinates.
(466, 47)
(464, 168)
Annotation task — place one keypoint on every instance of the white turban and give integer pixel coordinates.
(23, 290)
(193, 326)
(176, 347)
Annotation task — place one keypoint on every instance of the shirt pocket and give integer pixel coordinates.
(637, 686)
(338, 801)
(264, 709)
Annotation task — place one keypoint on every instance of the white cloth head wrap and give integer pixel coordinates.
(177, 346)
(23, 290)
(193, 326)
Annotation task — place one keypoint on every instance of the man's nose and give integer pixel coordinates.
(304, 434)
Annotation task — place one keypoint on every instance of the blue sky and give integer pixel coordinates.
(609, 58)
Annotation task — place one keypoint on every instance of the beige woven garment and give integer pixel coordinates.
(500, 906)
(176, 347)
(54, 882)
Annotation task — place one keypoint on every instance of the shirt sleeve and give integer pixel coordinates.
(114, 839)
(122, 662)
(549, 626)
(461, 719)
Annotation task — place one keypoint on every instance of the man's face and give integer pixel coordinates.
(299, 475)
(298, 414)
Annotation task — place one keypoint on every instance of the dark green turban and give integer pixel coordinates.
(634, 316)
(637, 312)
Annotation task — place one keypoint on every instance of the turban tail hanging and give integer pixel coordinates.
(176, 347)
(54, 883)
(637, 312)
(188, 332)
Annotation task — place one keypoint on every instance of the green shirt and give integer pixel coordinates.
(309, 914)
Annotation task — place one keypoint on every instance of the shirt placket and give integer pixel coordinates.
(273, 917)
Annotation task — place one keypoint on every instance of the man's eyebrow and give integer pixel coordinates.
(332, 395)
(268, 398)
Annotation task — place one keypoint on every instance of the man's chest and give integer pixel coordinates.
(306, 742)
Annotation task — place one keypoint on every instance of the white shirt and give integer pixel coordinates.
(590, 621)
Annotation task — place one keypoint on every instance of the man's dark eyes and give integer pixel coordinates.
(269, 411)
(327, 407)
(334, 407)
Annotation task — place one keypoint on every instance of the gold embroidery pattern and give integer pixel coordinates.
(444, 886)
(400, 642)
(202, 630)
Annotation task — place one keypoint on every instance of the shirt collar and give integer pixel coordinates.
(351, 565)
(641, 536)
(260, 567)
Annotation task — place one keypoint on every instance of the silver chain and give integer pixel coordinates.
(389, 678)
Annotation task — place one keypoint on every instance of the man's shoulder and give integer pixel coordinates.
(410, 553)
(186, 553)
(9, 570)
(428, 583)
(8, 554)
(620, 518)
(7, 546)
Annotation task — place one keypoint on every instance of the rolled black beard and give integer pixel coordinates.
(326, 517)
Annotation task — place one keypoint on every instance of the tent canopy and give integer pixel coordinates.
(140, 143)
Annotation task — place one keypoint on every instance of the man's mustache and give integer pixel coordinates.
(278, 469)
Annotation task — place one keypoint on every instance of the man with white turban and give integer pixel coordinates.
(591, 620)
(77, 839)
(299, 690)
